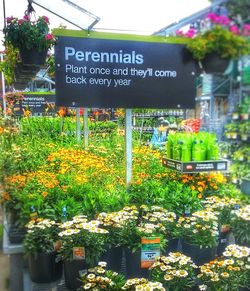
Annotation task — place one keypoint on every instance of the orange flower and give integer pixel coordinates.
(200, 189)
(192, 187)
(200, 196)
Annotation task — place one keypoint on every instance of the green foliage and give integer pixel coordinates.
(218, 40)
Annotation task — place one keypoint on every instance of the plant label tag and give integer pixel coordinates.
(150, 250)
(33, 215)
(79, 253)
(57, 245)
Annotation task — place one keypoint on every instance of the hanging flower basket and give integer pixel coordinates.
(33, 56)
(213, 63)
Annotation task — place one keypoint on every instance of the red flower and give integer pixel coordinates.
(49, 36)
(46, 19)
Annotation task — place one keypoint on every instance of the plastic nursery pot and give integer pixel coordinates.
(72, 273)
(199, 255)
(44, 268)
(113, 257)
(133, 265)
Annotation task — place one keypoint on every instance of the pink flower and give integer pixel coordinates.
(213, 17)
(46, 19)
(26, 18)
(20, 21)
(246, 30)
(179, 32)
(49, 36)
(234, 29)
(190, 33)
(9, 19)
(224, 20)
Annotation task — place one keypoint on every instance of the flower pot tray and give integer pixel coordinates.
(195, 167)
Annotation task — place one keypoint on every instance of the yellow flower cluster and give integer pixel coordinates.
(141, 284)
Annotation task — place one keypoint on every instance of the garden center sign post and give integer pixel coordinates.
(122, 71)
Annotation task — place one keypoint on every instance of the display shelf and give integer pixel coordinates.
(9, 248)
(195, 167)
(144, 129)
(148, 115)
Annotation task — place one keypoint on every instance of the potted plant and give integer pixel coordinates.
(229, 273)
(142, 284)
(241, 225)
(223, 207)
(83, 243)
(175, 272)
(199, 234)
(40, 246)
(99, 278)
(31, 38)
(217, 45)
(231, 130)
(244, 129)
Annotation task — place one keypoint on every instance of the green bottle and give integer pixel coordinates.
(185, 152)
(196, 151)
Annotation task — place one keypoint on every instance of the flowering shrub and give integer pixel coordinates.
(175, 272)
(241, 224)
(201, 228)
(79, 232)
(142, 284)
(228, 273)
(98, 278)
(41, 236)
(26, 34)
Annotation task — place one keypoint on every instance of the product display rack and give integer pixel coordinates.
(195, 167)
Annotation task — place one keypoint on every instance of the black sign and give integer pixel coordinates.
(195, 167)
(122, 73)
(37, 103)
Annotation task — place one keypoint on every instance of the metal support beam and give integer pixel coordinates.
(128, 145)
(85, 128)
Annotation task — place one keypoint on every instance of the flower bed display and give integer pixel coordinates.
(47, 175)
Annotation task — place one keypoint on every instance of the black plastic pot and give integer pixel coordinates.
(173, 246)
(199, 255)
(113, 258)
(213, 64)
(72, 272)
(44, 268)
(223, 242)
(133, 265)
(33, 56)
